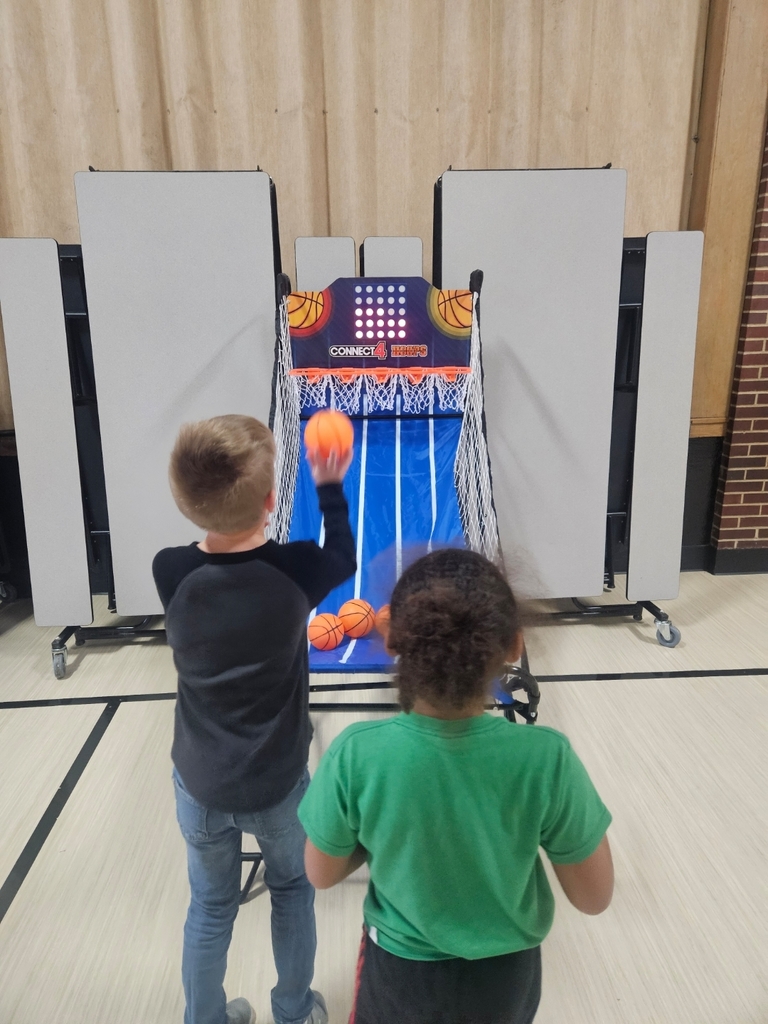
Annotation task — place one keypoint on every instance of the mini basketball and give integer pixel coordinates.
(325, 631)
(357, 618)
(382, 620)
(329, 431)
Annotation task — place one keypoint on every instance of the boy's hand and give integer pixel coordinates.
(331, 470)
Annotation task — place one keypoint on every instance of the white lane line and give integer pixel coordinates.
(432, 472)
(398, 498)
(360, 519)
(321, 541)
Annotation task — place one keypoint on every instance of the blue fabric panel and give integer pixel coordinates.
(378, 570)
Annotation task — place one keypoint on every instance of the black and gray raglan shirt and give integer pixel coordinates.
(237, 626)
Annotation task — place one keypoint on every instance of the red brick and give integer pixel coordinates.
(759, 425)
(749, 373)
(729, 499)
(752, 521)
(758, 262)
(763, 535)
(729, 523)
(743, 437)
(757, 474)
(759, 276)
(751, 544)
(754, 344)
(738, 451)
(728, 544)
(761, 399)
(758, 449)
(751, 489)
(757, 333)
(745, 510)
(737, 535)
(757, 289)
(754, 318)
(753, 359)
(755, 303)
(759, 246)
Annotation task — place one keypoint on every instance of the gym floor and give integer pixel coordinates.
(92, 866)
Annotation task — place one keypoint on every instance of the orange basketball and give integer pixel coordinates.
(356, 617)
(325, 631)
(382, 620)
(329, 431)
(455, 308)
(304, 309)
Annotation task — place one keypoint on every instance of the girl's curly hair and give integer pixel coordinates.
(453, 618)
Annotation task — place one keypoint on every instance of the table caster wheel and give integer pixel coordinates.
(667, 634)
(59, 663)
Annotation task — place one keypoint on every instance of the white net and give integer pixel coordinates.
(419, 391)
(472, 470)
(286, 427)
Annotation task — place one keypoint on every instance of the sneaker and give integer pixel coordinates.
(319, 1013)
(240, 1011)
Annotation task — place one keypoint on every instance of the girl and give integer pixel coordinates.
(449, 806)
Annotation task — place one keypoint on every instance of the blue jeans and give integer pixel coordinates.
(213, 856)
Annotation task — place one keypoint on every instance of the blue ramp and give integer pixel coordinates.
(402, 503)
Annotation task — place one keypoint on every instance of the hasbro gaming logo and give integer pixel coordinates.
(358, 351)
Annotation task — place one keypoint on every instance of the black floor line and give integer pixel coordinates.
(27, 857)
(682, 674)
(65, 702)
(132, 698)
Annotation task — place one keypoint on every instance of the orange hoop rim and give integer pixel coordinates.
(415, 374)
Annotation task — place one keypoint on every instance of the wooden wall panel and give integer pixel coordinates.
(724, 193)
(6, 415)
(355, 107)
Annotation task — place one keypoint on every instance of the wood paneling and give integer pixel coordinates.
(6, 415)
(354, 108)
(726, 177)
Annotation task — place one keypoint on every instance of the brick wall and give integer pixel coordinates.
(741, 511)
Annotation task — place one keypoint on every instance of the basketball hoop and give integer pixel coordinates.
(414, 390)
(421, 388)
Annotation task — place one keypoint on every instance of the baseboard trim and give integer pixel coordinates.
(737, 561)
(697, 558)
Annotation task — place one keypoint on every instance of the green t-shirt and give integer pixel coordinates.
(452, 814)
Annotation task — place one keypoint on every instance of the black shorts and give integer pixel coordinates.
(500, 990)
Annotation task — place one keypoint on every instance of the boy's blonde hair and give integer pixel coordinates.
(222, 471)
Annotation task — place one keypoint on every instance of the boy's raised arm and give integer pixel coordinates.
(339, 560)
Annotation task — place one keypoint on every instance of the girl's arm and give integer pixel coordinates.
(588, 884)
(324, 871)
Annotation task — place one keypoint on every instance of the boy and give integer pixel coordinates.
(236, 606)
(449, 806)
